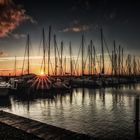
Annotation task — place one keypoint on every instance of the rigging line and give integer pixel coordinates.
(107, 48)
(24, 58)
(85, 61)
(94, 58)
(109, 66)
(77, 58)
(52, 67)
(76, 71)
(87, 53)
(98, 62)
(41, 65)
(31, 50)
(40, 44)
(58, 52)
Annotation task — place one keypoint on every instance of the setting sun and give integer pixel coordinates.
(41, 73)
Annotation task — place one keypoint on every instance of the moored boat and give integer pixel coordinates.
(4, 88)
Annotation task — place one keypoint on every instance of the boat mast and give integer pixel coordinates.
(82, 55)
(115, 59)
(91, 58)
(100, 63)
(15, 66)
(94, 60)
(102, 47)
(61, 59)
(138, 63)
(134, 66)
(112, 62)
(55, 61)
(65, 65)
(119, 60)
(49, 50)
(44, 52)
(70, 49)
(129, 64)
(89, 61)
(28, 53)
(122, 62)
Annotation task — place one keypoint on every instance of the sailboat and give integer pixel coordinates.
(4, 88)
(44, 81)
(20, 82)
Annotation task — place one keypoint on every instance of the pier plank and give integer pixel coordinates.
(41, 130)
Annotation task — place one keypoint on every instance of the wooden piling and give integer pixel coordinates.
(137, 116)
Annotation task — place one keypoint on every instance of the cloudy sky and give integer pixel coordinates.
(69, 20)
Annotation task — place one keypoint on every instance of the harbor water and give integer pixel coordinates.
(102, 113)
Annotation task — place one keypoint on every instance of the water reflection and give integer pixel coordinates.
(103, 113)
(5, 102)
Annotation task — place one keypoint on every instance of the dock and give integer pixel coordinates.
(41, 130)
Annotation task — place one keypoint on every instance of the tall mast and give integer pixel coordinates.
(130, 67)
(102, 46)
(70, 49)
(28, 53)
(122, 61)
(49, 50)
(94, 60)
(129, 64)
(55, 61)
(134, 66)
(91, 58)
(82, 55)
(89, 63)
(15, 66)
(115, 59)
(61, 61)
(112, 62)
(78, 72)
(138, 63)
(65, 65)
(119, 59)
(44, 52)
(100, 63)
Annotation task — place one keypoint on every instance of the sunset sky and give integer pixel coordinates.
(69, 20)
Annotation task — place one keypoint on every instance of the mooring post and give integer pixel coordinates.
(137, 116)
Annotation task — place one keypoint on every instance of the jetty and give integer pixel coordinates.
(41, 130)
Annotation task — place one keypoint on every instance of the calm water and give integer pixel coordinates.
(104, 113)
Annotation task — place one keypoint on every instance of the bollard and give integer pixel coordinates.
(137, 117)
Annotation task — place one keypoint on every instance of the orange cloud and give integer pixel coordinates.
(5, 2)
(11, 16)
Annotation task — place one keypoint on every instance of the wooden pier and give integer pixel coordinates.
(40, 130)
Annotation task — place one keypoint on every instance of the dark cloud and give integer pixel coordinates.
(82, 4)
(11, 16)
(18, 35)
(77, 28)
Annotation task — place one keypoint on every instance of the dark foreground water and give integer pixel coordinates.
(104, 113)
